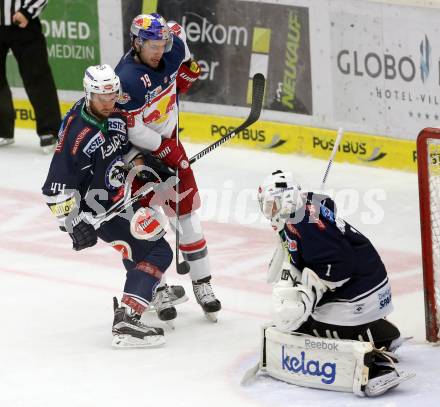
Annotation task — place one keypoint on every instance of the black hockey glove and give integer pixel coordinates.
(156, 168)
(83, 235)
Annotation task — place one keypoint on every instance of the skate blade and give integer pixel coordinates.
(385, 383)
(170, 324)
(211, 316)
(48, 149)
(180, 300)
(128, 341)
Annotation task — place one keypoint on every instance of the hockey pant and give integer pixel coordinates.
(192, 242)
(381, 332)
(144, 260)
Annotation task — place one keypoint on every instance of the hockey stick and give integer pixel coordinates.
(124, 204)
(256, 106)
(258, 84)
(181, 268)
(332, 156)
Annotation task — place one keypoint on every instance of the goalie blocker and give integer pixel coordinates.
(338, 365)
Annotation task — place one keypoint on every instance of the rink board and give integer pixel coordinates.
(282, 138)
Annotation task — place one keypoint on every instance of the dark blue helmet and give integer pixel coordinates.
(151, 27)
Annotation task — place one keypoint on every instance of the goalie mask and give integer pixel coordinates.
(278, 195)
(101, 80)
(150, 27)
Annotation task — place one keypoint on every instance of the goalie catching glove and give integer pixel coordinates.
(292, 302)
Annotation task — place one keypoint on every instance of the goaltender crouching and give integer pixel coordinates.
(329, 282)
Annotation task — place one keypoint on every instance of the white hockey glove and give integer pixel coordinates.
(291, 305)
(314, 284)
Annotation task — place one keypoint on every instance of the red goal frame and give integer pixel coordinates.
(423, 161)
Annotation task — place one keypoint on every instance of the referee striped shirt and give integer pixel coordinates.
(30, 8)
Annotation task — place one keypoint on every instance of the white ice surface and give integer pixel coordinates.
(57, 307)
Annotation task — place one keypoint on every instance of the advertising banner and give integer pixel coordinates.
(282, 138)
(71, 28)
(232, 40)
(386, 68)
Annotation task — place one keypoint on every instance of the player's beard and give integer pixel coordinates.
(101, 115)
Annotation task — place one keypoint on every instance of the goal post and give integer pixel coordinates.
(428, 159)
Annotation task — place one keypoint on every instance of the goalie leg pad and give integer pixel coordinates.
(315, 362)
(338, 365)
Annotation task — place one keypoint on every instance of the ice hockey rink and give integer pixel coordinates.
(57, 304)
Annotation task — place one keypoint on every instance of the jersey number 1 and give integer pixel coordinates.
(327, 274)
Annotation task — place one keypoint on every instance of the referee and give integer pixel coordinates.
(20, 31)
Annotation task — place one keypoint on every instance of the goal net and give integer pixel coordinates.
(428, 158)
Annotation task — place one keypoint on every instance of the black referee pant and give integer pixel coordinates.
(29, 48)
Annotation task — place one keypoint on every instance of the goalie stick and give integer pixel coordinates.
(332, 156)
(258, 86)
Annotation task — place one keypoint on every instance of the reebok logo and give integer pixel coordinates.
(321, 345)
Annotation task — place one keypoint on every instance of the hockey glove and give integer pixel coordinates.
(173, 155)
(83, 234)
(155, 168)
(291, 306)
(186, 76)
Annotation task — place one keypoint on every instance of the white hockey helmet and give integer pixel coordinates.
(278, 195)
(100, 79)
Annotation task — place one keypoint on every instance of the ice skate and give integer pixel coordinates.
(206, 298)
(384, 378)
(129, 332)
(164, 306)
(6, 141)
(48, 143)
(177, 294)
